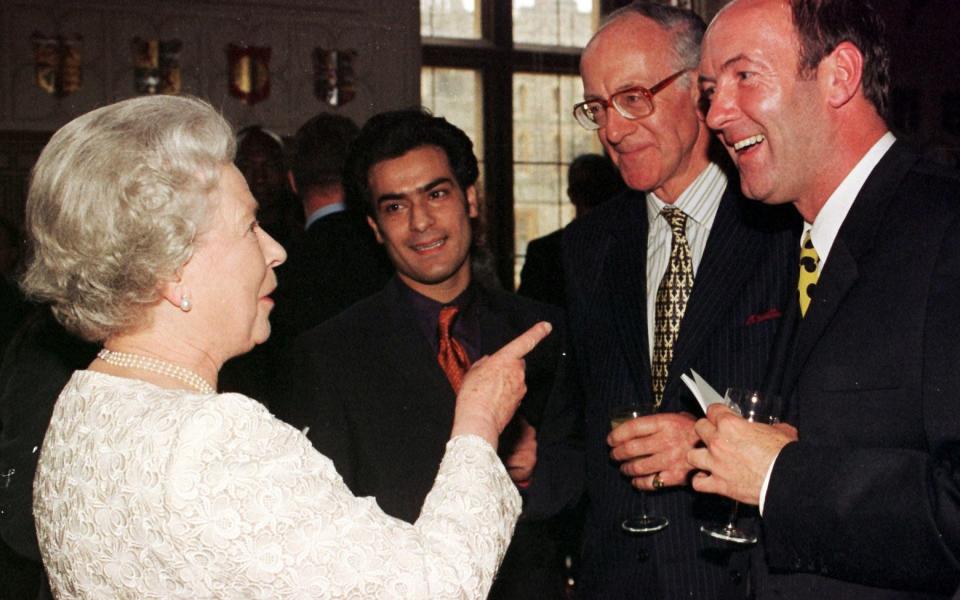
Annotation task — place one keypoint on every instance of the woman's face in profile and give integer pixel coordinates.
(230, 276)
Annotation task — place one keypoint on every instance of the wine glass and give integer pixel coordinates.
(644, 522)
(756, 408)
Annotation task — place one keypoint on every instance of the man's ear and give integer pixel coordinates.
(842, 73)
(696, 97)
(473, 210)
(375, 228)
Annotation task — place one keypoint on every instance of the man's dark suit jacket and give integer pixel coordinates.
(369, 386)
(336, 263)
(741, 287)
(38, 363)
(13, 310)
(541, 277)
(871, 492)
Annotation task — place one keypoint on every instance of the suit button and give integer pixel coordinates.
(736, 576)
(643, 556)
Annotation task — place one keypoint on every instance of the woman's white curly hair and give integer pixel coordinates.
(117, 199)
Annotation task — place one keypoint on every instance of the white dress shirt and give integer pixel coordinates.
(700, 202)
(322, 212)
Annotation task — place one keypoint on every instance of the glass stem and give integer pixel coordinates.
(732, 523)
(643, 504)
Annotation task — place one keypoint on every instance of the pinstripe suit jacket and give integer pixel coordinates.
(743, 282)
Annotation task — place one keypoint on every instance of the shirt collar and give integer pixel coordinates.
(324, 211)
(824, 229)
(699, 201)
(426, 312)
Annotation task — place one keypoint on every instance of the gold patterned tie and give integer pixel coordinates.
(809, 261)
(671, 301)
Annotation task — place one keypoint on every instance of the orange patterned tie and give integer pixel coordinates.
(452, 357)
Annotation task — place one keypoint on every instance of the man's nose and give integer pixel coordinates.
(421, 216)
(721, 110)
(617, 126)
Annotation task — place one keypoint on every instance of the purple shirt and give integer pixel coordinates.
(426, 312)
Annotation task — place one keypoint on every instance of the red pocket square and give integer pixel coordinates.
(773, 313)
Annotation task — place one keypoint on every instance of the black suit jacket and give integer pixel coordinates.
(742, 284)
(38, 362)
(368, 385)
(871, 492)
(541, 277)
(13, 310)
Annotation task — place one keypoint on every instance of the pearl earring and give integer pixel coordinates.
(185, 304)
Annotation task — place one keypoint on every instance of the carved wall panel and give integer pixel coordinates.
(385, 36)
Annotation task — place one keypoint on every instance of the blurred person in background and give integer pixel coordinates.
(261, 158)
(591, 180)
(336, 261)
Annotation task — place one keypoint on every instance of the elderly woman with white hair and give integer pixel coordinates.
(152, 485)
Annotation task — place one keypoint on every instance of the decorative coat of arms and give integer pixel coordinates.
(249, 72)
(57, 63)
(333, 80)
(156, 66)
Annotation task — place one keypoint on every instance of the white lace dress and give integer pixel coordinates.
(143, 492)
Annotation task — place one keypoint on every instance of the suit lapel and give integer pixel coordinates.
(496, 325)
(855, 238)
(406, 353)
(729, 260)
(838, 276)
(624, 274)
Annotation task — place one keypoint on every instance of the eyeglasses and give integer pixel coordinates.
(632, 104)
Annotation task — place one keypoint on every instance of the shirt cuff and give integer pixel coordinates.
(766, 482)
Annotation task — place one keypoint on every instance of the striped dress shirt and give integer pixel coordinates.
(700, 202)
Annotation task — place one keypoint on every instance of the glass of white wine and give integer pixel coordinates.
(644, 522)
(756, 408)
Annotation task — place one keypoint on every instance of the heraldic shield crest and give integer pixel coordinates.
(156, 66)
(57, 63)
(333, 80)
(249, 72)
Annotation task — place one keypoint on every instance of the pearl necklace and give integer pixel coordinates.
(161, 367)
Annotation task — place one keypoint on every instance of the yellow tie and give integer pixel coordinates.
(809, 261)
(671, 303)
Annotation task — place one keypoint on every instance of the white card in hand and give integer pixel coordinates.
(702, 391)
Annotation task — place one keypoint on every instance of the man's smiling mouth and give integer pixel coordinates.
(748, 142)
(429, 246)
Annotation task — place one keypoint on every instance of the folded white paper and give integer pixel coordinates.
(702, 391)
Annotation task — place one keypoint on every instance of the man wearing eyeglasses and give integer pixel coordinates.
(678, 273)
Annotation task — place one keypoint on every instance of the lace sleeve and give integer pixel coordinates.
(257, 512)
